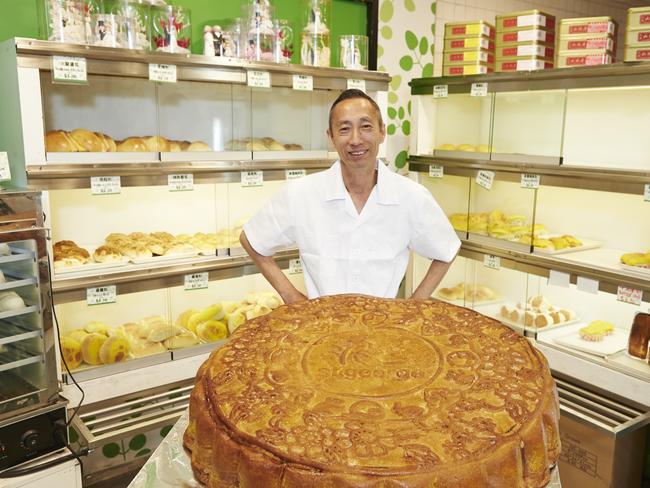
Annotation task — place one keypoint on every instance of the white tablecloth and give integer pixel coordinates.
(169, 465)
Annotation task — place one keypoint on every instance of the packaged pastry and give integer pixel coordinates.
(587, 25)
(468, 29)
(469, 44)
(638, 53)
(530, 64)
(529, 34)
(588, 42)
(638, 18)
(525, 50)
(468, 69)
(467, 57)
(583, 58)
(529, 18)
(640, 37)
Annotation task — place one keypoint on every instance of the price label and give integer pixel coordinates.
(66, 69)
(491, 261)
(259, 79)
(293, 174)
(646, 193)
(479, 90)
(436, 171)
(101, 295)
(629, 295)
(181, 182)
(196, 281)
(440, 91)
(303, 82)
(529, 181)
(105, 185)
(163, 73)
(485, 179)
(295, 266)
(358, 84)
(252, 178)
(5, 171)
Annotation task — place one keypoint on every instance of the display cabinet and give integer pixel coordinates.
(555, 218)
(146, 186)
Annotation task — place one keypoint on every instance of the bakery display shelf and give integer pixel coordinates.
(586, 245)
(15, 357)
(17, 282)
(14, 333)
(440, 154)
(180, 157)
(617, 74)
(74, 158)
(157, 270)
(134, 63)
(18, 312)
(87, 372)
(488, 241)
(624, 360)
(493, 310)
(198, 349)
(611, 344)
(624, 181)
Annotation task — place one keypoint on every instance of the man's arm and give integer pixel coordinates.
(272, 272)
(431, 280)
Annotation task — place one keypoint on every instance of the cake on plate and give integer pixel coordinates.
(353, 391)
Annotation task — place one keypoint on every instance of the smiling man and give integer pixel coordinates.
(354, 223)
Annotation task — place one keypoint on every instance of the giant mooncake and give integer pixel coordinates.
(353, 391)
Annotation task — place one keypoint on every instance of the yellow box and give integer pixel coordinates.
(639, 37)
(454, 30)
(527, 34)
(467, 69)
(587, 25)
(586, 41)
(450, 58)
(530, 18)
(638, 18)
(583, 58)
(469, 44)
(637, 53)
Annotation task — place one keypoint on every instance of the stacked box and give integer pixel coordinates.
(637, 34)
(469, 48)
(586, 41)
(525, 41)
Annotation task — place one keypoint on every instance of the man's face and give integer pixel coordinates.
(356, 133)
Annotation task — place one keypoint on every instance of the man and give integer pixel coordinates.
(355, 222)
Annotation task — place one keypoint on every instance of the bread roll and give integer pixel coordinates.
(57, 141)
(185, 339)
(157, 144)
(96, 327)
(293, 147)
(163, 236)
(199, 146)
(78, 335)
(174, 146)
(90, 347)
(61, 245)
(10, 300)
(142, 347)
(107, 254)
(272, 145)
(114, 350)
(61, 262)
(71, 352)
(108, 144)
(162, 331)
(132, 144)
(89, 141)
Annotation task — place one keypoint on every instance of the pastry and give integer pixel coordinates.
(142, 347)
(90, 347)
(357, 391)
(485, 148)
(636, 259)
(234, 320)
(212, 330)
(272, 145)
(185, 339)
(77, 334)
(446, 147)
(459, 221)
(596, 331)
(466, 147)
(58, 141)
(213, 312)
(543, 319)
(162, 331)
(88, 141)
(293, 147)
(71, 352)
(134, 251)
(114, 350)
(132, 144)
(163, 236)
(10, 300)
(639, 339)
(184, 145)
(62, 245)
(156, 144)
(108, 144)
(96, 327)
(179, 248)
(107, 254)
(199, 146)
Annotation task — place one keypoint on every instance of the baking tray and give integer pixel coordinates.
(610, 344)
(586, 244)
(494, 311)
(165, 258)
(93, 266)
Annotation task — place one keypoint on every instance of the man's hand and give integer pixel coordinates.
(294, 297)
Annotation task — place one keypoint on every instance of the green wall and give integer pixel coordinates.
(19, 18)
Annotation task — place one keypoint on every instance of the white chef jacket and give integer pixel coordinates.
(343, 251)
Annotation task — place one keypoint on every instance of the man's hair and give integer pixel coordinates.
(355, 93)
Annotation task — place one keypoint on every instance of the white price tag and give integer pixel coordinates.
(295, 266)
(196, 281)
(101, 294)
(259, 79)
(440, 91)
(180, 182)
(66, 69)
(491, 261)
(358, 84)
(485, 178)
(5, 171)
(559, 278)
(105, 185)
(530, 181)
(303, 82)
(629, 295)
(587, 285)
(252, 178)
(436, 171)
(479, 90)
(293, 174)
(164, 73)
(646, 193)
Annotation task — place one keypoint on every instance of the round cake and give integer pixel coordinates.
(353, 391)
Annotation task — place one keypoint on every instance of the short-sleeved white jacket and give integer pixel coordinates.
(343, 251)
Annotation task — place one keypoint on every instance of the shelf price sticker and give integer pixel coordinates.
(440, 91)
(294, 174)
(295, 266)
(530, 181)
(479, 90)
(491, 261)
(101, 295)
(66, 69)
(436, 171)
(180, 182)
(303, 82)
(646, 193)
(105, 185)
(259, 79)
(485, 179)
(358, 84)
(252, 178)
(163, 73)
(196, 281)
(5, 171)
(629, 295)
